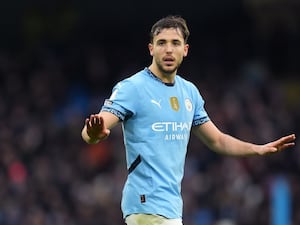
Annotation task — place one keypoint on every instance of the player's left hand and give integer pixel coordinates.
(278, 145)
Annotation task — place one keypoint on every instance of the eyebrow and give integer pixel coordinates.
(172, 40)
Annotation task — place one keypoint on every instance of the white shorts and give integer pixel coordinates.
(149, 219)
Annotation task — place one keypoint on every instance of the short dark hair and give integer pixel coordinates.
(170, 21)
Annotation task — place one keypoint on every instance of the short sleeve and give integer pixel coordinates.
(200, 115)
(123, 100)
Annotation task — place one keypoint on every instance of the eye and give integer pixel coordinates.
(160, 43)
(176, 43)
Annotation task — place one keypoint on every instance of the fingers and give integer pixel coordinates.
(95, 127)
(280, 144)
(94, 120)
(286, 141)
(288, 138)
(101, 120)
(284, 146)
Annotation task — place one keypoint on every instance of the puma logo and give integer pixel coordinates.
(156, 103)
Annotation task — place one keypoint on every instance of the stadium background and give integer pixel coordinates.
(59, 60)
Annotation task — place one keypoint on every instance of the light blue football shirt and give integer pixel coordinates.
(157, 120)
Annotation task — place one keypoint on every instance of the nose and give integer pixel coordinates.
(169, 47)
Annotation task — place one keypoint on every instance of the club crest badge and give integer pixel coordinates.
(188, 105)
(174, 103)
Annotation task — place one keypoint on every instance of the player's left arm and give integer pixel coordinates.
(220, 142)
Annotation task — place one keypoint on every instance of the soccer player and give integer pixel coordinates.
(158, 109)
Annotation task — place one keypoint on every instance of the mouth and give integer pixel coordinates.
(169, 61)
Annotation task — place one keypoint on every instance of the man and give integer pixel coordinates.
(158, 109)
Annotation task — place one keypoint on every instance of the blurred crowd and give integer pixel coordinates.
(49, 175)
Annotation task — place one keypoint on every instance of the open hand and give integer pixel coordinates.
(278, 145)
(95, 127)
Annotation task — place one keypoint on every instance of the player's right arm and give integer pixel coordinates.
(97, 127)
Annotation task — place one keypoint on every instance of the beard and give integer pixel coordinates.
(167, 69)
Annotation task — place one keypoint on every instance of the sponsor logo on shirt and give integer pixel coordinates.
(171, 126)
(173, 130)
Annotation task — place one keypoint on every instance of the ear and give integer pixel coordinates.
(186, 50)
(150, 47)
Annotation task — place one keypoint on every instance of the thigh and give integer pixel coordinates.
(149, 219)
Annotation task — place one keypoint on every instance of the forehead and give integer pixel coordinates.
(169, 34)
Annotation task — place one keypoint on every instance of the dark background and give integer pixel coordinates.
(60, 59)
(225, 32)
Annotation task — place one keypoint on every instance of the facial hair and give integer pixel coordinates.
(164, 71)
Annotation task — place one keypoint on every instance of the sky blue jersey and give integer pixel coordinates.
(157, 120)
